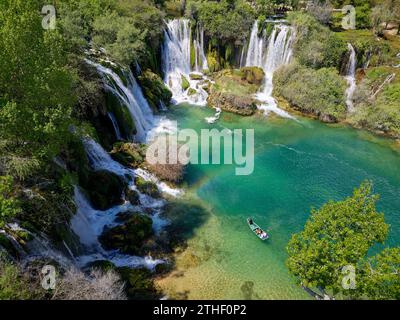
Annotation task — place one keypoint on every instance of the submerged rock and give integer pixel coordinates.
(138, 283)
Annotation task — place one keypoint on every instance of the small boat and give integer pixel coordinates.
(260, 233)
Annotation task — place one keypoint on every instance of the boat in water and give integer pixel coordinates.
(260, 233)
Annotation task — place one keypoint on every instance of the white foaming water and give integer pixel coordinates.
(120, 260)
(278, 53)
(163, 187)
(115, 125)
(200, 57)
(131, 95)
(351, 78)
(88, 224)
(100, 160)
(215, 118)
(176, 62)
(39, 246)
(255, 52)
(163, 126)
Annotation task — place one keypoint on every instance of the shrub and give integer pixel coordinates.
(98, 285)
(321, 92)
(15, 284)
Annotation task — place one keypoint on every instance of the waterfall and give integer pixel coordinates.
(176, 62)
(88, 224)
(277, 53)
(200, 57)
(38, 246)
(100, 160)
(115, 125)
(132, 96)
(351, 77)
(256, 48)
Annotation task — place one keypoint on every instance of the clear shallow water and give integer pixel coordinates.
(298, 165)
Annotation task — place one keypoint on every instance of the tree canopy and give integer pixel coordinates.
(338, 235)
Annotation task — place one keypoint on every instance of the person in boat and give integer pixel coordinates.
(251, 221)
(263, 234)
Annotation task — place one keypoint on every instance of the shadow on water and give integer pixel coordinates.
(186, 216)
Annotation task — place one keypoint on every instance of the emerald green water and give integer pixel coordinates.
(298, 165)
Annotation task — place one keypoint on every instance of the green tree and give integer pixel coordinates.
(36, 88)
(226, 20)
(380, 275)
(337, 235)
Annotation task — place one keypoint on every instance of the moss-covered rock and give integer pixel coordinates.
(233, 92)
(206, 85)
(185, 83)
(242, 105)
(104, 189)
(138, 283)
(129, 154)
(147, 187)
(154, 89)
(196, 76)
(132, 196)
(130, 236)
(122, 115)
(253, 75)
(191, 92)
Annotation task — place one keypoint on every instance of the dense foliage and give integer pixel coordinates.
(321, 91)
(316, 46)
(36, 93)
(224, 20)
(338, 235)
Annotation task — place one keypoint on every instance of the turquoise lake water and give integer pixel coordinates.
(298, 165)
